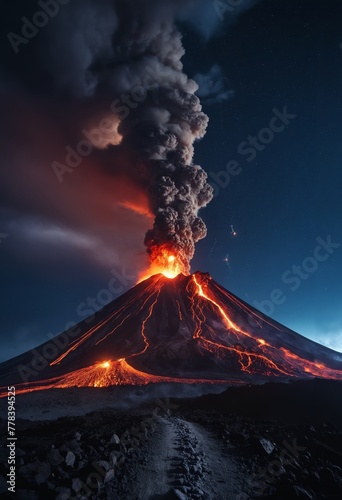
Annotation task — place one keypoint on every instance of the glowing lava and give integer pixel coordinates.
(120, 373)
(277, 360)
(163, 261)
(171, 327)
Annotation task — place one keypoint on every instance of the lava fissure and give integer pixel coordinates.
(186, 329)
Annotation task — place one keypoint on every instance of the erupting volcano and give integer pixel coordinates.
(184, 329)
(172, 326)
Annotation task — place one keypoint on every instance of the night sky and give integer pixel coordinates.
(270, 80)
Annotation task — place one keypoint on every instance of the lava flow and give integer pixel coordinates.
(172, 328)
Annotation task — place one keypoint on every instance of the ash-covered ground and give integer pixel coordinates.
(272, 441)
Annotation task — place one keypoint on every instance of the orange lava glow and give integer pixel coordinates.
(118, 372)
(246, 358)
(277, 361)
(163, 261)
(212, 321)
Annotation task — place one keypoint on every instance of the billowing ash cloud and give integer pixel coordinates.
(116, 62)
(213, 86)
(162, 128)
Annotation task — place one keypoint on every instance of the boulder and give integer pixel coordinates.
(70, 459)
(267, 445)
(114, 439)
(53, 457)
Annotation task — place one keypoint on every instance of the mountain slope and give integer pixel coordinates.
(187, 328)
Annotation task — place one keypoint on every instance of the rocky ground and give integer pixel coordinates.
(186, 449)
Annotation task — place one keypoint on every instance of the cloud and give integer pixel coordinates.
(213, 86)
(97, 211)
(329, 333)
(78, 40)
(332, 340)
(210, 17)
(72, 72)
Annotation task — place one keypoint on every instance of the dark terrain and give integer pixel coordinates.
(276, 441)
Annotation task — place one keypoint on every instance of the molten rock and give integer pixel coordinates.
(187, 329)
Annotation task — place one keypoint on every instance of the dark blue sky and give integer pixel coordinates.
(283, 204)
(280, 55)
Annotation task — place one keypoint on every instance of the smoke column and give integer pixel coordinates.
(164, 120)
(119, 61)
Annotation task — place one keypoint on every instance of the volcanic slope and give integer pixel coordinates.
(186, 329)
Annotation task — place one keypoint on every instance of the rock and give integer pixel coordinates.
(72, 445)
(51, 485)
(103, 464)
(70, 459)
(28, 471)
(179, 494)
(77, 436)
(63, 493)
(113, 458)
(43, 472)
(114, 439)
(336, 469)
(302, 493)
(267, 445)
(54, 457)
(61, 474)
(198, 491)
(109, 475)
(182, 468)
(77, 484)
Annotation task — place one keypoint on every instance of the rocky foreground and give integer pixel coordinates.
(212, 447)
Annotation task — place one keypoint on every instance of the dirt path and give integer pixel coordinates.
(183, 460)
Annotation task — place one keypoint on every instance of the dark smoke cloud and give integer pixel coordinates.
(162, 131)
(80, 38)
(163, 128)
(100, 51)
(118, 60)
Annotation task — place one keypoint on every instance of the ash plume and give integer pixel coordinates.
(118, 60)
(163, 128)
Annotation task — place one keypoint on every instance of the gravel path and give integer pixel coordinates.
(183, 460)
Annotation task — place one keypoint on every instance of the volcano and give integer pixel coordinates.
(186, 329)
